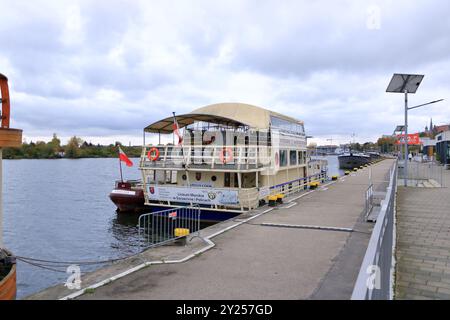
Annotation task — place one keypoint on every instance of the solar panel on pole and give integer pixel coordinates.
(405, 83)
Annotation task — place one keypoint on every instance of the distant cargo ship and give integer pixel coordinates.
(353, 160)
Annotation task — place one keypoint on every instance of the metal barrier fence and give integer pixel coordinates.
(162, 227)
(420, 172)
(369, 201)
(375, 279)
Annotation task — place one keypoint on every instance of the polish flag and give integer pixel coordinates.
(176, 129)
(123, 157)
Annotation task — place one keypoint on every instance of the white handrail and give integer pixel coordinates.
(372, 258)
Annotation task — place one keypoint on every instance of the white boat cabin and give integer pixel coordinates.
(232, 156)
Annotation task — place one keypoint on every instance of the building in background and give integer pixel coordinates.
(443, 147)
(428, 148)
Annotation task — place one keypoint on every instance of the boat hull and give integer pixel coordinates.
(129, 204)
(132, 201)
(8, 286)
(352, 161)
(129, 200)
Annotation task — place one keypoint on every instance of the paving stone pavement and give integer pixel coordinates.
(423, 243)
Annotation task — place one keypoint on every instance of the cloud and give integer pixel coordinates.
(106, 69)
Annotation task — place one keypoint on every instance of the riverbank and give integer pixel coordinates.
(40, 151)
(254, 256)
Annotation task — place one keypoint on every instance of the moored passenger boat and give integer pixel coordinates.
(229, 159)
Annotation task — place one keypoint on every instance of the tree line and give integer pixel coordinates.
(75, 148)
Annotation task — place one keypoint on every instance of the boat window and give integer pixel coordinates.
(227, 180)
(263, 138)
(249, 180)
(301, 157)
(292, 158)
(287, 126)
(283, 158)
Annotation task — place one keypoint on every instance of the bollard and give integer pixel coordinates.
(182, 234)
(280, 197)
(272, 201)
(314, 184)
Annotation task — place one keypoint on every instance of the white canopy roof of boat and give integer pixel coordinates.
(230, 114)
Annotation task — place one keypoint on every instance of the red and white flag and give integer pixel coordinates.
(176, 130)
(123, 157)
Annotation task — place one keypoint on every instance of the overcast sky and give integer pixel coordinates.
(103, 70)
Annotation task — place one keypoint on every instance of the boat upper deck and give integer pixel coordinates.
(227, 136)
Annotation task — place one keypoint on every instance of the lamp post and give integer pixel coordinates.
(400, 130)
(405, 83)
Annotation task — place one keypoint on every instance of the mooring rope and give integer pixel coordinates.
(73, 262)
(41, 266)
(52, 265)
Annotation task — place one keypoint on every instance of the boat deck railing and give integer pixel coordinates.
(210, 157)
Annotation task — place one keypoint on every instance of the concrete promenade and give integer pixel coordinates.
(254, 261)
(423, 242)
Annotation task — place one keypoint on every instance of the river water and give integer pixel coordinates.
(333, 165)
(60, 210)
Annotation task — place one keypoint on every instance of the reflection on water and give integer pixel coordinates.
(124, 228)
(333, 165)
